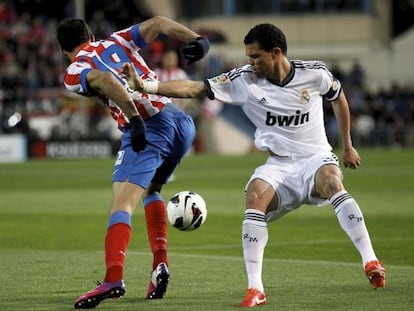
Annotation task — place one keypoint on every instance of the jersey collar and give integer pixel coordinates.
(288, 78)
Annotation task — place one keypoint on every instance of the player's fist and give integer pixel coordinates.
(351, 158)
(195, 50)
(138, 133)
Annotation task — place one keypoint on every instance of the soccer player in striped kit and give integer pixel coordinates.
(156, 136)
(284, 99)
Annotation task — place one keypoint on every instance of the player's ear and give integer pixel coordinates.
(92, 37)
(64, 52)
(276, 51)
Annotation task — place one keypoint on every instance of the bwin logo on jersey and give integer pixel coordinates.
(297, 119)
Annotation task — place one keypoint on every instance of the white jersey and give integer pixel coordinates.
(288, 116)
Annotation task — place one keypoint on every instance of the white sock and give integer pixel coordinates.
(352, 222)
(254, 238)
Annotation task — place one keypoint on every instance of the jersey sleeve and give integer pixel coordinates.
(75, 78)
(330, 86)
(132, 35)
(136, 36)
(227, 88)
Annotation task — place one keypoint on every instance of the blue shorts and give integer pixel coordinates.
(170, 134)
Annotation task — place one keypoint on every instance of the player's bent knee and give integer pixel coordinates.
(256, 201)
(328, 185)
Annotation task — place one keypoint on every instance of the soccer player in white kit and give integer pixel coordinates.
(284, 99)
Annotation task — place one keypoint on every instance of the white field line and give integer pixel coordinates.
(276, 244)
(290, 261)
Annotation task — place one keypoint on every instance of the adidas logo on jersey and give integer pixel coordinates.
(263, 101)
(297, 119)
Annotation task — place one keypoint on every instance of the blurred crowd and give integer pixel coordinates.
(193, 9)
(32, 96)
(383, 117)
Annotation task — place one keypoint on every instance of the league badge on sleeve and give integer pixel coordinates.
(223, 78)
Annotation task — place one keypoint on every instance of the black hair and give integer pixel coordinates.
(72, 32)
(268, 36)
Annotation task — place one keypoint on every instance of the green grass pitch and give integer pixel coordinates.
(53, 217)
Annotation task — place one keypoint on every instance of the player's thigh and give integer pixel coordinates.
(136, 167)
(125, 196)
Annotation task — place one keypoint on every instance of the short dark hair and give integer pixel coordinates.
(268, 36)
(72, 32)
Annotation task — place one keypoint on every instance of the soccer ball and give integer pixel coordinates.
(186, 211)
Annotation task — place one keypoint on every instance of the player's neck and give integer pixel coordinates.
(71, 55)
(281, 72)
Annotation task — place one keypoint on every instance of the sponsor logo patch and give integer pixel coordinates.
(119, 157)
(220, 79)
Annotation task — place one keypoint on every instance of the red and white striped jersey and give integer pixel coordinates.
(109, 55)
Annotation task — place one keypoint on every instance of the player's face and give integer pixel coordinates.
(262, 61)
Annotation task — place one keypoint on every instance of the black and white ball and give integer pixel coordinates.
(186, 211)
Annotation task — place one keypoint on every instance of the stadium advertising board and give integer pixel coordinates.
(13, 148)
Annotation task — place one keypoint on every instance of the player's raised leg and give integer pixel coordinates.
(156, 219)
(352, 222)
(328, 184)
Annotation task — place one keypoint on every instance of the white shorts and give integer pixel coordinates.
(293, 179)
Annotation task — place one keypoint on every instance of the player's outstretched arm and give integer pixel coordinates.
(173, 88)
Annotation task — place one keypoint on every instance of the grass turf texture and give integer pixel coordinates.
(54, 217)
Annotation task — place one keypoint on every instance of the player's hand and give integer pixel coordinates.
(195, 50)
(138, 133)
(351, 158)
(129, 73)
